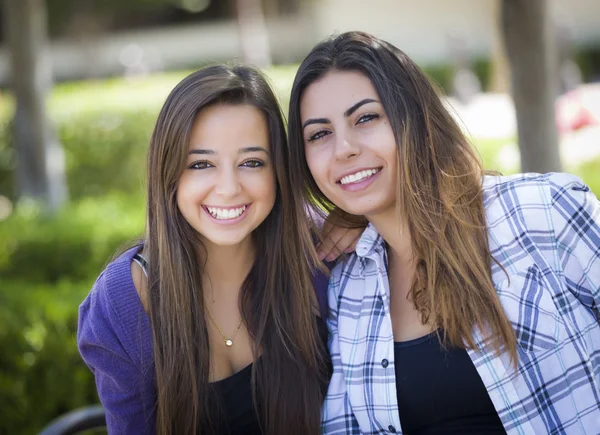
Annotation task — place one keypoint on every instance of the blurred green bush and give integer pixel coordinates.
(104, 128)
(72, 245)
(48, 266)
(42, 373)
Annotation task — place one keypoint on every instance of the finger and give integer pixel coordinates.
(333, 254)
(349, 241)
(354, 242)
(346, 244)
(330, 244)
(326, 229)
(340, 240)
(324, 248)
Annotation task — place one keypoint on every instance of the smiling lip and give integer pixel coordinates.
(356, 171)
(226, 220)
(363, 183)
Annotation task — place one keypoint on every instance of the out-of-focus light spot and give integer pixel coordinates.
(194, 6)
(509, 158)
(6, 207)
(131, 55)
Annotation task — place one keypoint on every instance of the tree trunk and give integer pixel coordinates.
(254, 38)
(527, 35)
(40, 169)
(499, 69)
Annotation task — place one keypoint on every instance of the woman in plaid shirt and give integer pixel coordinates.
(471, 303)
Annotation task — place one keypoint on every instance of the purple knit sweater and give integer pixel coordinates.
(115, 340)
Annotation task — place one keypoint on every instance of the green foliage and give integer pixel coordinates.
(482, 69)
(104, 128)
(588, 60)
(442, 75)
(47, 268)
(42, 373)
(589, 173)
(72, 245)
(491, 152)
(105, 150)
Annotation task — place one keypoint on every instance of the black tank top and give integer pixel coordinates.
(440, 392)
(234, 395)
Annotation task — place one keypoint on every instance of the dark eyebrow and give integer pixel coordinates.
(242, 150)
(347, 113)
(315, 121)
(353, 109)
(253, 150)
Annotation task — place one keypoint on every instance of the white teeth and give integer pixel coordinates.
(222, 213)
(353, 178)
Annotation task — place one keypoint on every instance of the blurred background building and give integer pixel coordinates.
(98, 39)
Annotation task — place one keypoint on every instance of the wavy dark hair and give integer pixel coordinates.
(439, 190)
(276, 299)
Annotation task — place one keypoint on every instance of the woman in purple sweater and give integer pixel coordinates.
(212, 324)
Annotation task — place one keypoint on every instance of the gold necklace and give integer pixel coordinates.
(228, 341)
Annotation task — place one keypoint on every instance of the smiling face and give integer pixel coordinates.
(349, 144)
(228, 187)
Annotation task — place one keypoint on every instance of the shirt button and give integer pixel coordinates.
(384, 364)
(392, 429)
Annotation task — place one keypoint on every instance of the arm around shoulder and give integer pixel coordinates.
(127, 396)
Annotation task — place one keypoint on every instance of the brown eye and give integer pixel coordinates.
(200, 164)
(253, 163)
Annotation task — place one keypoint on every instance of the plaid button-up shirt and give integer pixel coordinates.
(545, 231)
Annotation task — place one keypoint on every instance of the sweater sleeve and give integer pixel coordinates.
(126, 396)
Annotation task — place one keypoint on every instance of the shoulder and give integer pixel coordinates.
(531, 199)
(112, 310)
(532, 215)
(115, 285)
(114, 339)
(529, 188)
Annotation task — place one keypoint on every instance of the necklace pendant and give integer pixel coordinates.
(228, 342)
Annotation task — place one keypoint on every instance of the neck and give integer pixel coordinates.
(226, 267)
(396, 234)
(402, 263)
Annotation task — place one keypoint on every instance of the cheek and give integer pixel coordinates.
(317, 164)
(262, 186)
(190, 190)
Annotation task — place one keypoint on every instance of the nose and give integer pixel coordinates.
(346, 148)
(228, 185)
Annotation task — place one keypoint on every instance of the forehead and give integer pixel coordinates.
(223, 124)
(336, 90)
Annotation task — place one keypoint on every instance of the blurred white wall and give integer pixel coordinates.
(139, 52)
(419, 27)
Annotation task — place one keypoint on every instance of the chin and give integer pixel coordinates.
(225, 241)
(358, 209)
(369, 209)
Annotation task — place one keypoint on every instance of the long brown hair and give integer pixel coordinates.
(276, 299)
(439, 188)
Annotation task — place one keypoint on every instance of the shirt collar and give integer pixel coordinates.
(369, 241)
